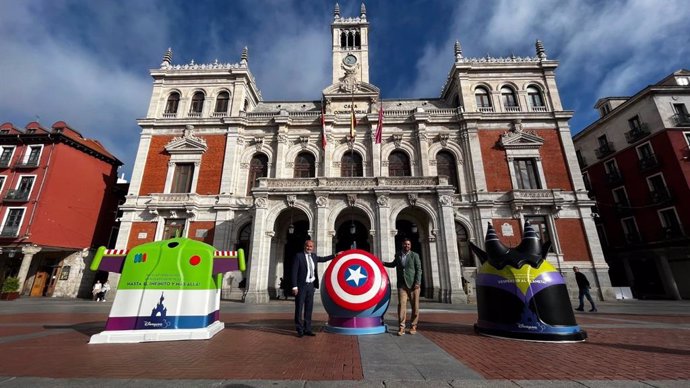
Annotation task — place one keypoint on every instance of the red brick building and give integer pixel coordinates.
(635, 162)
(59, 199)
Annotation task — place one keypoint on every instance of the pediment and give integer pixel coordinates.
(362, 88)
(187, 144)
(520, 140)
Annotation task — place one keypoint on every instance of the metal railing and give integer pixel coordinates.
(31, 163)
(638, 133)
(14, 195)
(604, 150)
(681, 119)
(9, 231)
(648, 161)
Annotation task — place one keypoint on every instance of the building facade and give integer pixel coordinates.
(635, 162)
(218, 163)
(58, 205)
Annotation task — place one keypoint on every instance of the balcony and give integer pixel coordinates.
(539, 109)
(169, 115)
(614, 177)
(4, 163)
(486, 109)
(671, 233)
(9, 231)
(648, 162)
(30, 163)
(604, 150)
(660, 196)
(194, 114)
(681, 120)
(512, 108)
(636, 134)
(14, 195)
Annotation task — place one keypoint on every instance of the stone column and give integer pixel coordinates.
(257, 274)
(28, 251)
(422, 141)
(383, 248)
(453, 292)
(281, 151)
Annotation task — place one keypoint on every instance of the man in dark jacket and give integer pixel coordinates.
(583, 288)
(408, 268)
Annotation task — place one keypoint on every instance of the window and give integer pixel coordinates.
(13, 220)
(399, 164)
(612, 173)
(647, 157)
(173, 102)
(6, 156)
(605, 109)
(25, 184)
(258, 168)
(670, 223)
(632, 235)
(197, 103)
(2, 182)
(509, 98)
(526, 174)
(681, 117)
(658, 189)
(481, 96)
(603, 141)
(634, 123)
(173, 227)
(34, 155)
(351, 165)
(222, 102)
(620, 197)
(540, 226)
(305, 165)
(534, 97)
(445, 165)
(182, 178)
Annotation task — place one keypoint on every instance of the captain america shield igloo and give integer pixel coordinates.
(357, 294)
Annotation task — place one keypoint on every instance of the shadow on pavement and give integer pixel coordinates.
(86, 328)
(642, 348)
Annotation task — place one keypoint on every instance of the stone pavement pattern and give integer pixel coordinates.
(44, 343)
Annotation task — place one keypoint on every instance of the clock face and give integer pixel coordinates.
(350, 60)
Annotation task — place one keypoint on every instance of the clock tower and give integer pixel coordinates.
(350, 46)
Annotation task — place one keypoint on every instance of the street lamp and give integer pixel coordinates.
(413, 229)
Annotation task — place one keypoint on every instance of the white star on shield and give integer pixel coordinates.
(355, 275)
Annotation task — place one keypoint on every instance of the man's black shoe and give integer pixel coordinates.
(300, 335)
(579, 309)
(593, 310)
(309, 333)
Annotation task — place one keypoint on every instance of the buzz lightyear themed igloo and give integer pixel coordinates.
(520, 295)
(169, 290)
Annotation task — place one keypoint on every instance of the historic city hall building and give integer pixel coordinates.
(218, 163)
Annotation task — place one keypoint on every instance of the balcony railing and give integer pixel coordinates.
(539, 109)
(614, 177)
(660, 196)
(681, 119)
(638, 133)
(512, 108)
(648, 162)
(31, 163)
(486, 109)
(604, 150)
(4, 163)
(14, 195)
(671, 233)
(169, 115)
(9, 231)
(219, 114)
(194, 114)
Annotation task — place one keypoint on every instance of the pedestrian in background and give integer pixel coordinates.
(583, 291)
(96, 290)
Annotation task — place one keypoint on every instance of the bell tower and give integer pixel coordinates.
(350, 46)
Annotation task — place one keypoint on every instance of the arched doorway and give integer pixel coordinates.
(352, 231)
(295, 232)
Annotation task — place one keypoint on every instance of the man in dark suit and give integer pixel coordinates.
(408, 268)
(305, 279)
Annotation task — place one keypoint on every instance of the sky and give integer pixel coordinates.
(87, 62)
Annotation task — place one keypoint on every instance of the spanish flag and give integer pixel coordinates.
(353, 122)
(379, 127)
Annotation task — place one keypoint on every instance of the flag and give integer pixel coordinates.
(379, 127)
(353, 122)
(323, 128)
